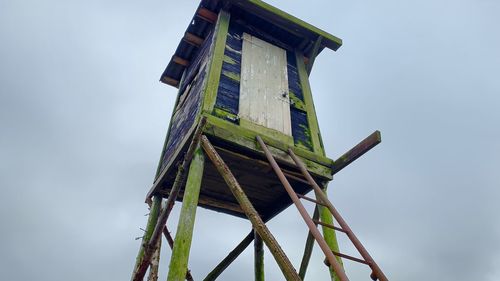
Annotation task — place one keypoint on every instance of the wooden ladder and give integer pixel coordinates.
(322, 199)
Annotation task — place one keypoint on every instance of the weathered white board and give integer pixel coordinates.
(264, 98)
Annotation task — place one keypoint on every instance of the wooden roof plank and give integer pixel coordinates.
(193, 39)
(207, 15)
(170, 81)
(180, 61)
(287, 21)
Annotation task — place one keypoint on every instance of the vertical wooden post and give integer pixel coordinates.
(258, 257)
(215, 66)
(329, 234)
(183, 237)
(153, 217)
(155, 263)
(170, 242)
(312, 119)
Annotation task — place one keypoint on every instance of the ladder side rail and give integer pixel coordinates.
(312, 227)
(355, 241)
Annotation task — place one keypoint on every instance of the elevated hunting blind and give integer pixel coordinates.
(244, 100)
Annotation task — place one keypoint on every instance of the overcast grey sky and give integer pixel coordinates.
(83, 118)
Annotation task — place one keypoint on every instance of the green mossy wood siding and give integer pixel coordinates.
(188, 104)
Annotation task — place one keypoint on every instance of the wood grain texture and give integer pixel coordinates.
(258, 247)
(330, 235)
(155, 263)
(264, 85)
(257, 223)
(183, 237)
(215, 66)
(308, 100)
(142, 261)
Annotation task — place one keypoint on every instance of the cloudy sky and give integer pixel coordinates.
(83, 118)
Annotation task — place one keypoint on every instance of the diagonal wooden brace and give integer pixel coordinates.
(257, 223)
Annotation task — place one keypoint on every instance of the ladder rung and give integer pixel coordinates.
(329, 225)
(349, 258)
(310, 199)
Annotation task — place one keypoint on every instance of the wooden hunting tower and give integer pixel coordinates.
(242, 70)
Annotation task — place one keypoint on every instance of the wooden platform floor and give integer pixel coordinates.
(257, 179)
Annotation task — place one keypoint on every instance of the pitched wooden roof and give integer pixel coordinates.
(288, 29)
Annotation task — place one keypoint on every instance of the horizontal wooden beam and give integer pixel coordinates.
(170, 81)
(361, 148)
(207, 15)
(192, 39)
(181, 61)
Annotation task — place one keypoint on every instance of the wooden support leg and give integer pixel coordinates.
(155, 263)
(153, 217)
(329, 234)
(258, 257)
(182, 244)
(257, 223)
(308, 248)
(170, 242)
(230, 257)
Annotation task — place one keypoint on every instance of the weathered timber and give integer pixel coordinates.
(144, 256)
(180, 176)
(259, 183)
(180, 61)
(258, 257)
(196, 131)
(328, 233)
(287, 21)
(206, 15)
(193, 39)
(165, 212)
(183, 237)
(361, 148)
(289, 174)
(343, 224)
(230, 257)
(215, 66)
(155, 263)
(282, 260)
(271, 107)
(245, 138)
(308, 247)
(308, 101)
(170, 241)
(302, 211)
(170, 81)
(314, 52)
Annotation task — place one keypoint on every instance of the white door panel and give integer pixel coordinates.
(264, 85)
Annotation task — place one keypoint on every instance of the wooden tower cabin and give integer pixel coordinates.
(244, 139)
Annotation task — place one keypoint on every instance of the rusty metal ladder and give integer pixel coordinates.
(321, 199)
